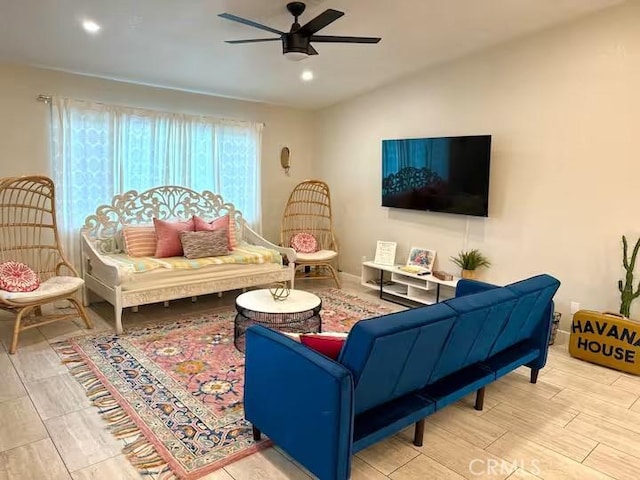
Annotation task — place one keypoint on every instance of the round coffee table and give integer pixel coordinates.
(299, 313)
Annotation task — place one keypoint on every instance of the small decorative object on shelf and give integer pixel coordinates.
(279, 291)
(627, 295)
(440, 275)
(469, 261)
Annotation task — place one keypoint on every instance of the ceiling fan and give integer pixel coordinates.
(296, 43)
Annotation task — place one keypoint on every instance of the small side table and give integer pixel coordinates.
(299, 313)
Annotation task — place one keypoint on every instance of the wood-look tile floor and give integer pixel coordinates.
(580, 421)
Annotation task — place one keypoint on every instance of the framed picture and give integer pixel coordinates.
(385, 253)
(422, 257)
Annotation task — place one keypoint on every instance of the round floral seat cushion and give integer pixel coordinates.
(17, 277)
(304, 243)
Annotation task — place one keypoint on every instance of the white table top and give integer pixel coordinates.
(262, 301)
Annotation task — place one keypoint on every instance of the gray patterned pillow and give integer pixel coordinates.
(205, 243)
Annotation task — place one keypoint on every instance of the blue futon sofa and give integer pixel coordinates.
(393, 371)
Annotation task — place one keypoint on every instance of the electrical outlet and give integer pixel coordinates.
(575, 306)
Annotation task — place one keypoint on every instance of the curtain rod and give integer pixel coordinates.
(47, 99)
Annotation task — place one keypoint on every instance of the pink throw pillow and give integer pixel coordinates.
(168, 235)
(222, 222)
(17, 277)
(304, 243)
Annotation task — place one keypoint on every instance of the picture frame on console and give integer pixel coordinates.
(422, 257)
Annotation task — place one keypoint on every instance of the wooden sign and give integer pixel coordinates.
(606, 340)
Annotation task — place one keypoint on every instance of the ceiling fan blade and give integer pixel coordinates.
(336, 39)
(312, 51)
(251, 23)
(253, 40)
(321, 21)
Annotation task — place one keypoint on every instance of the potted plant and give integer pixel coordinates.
(469, 261)
(627, 293)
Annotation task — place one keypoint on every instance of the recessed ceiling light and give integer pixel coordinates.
(90, 26)
(307, 76)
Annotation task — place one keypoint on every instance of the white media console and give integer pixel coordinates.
(396, 284)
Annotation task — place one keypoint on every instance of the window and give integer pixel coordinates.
(99, 151)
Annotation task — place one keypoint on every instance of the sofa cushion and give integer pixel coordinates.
(534, 296)
(480, 319)
(217, 223)
(168, 235)
(205, 244)
(395, 354)
(140, 240)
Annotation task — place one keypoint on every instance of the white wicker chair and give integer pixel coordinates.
(28, 234)
(308, 210)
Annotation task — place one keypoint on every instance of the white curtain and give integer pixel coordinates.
(101, 150)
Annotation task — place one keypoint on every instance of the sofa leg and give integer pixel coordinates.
(534, 375)
(419, 433)
(480, 399)
(166, 304)
(194, 299)
(257, 434)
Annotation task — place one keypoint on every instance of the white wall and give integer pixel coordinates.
(24, 126)
(563, 107)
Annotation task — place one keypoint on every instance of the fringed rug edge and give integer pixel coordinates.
(140, 450)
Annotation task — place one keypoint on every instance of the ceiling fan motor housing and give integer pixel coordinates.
(295, 43)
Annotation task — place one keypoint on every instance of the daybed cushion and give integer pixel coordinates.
(244, 254)
(205, 244)
(53, 287)
(221, 222)
(168, 235)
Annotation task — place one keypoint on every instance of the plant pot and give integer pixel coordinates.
(469, 274)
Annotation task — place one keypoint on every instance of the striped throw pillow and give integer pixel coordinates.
(139, 240)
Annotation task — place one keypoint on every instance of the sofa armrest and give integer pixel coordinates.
(302, 400)
(256, 239)
(469, 287)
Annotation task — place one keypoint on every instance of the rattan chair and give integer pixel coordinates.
(28, 234)
(308, 210)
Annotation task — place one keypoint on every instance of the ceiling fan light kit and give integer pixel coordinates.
(296, 44)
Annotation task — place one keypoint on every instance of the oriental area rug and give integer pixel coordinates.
(173, 391)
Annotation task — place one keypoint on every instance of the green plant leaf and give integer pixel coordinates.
(471, 259)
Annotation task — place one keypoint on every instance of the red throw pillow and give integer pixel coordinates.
(304, 243)
(168, 235)
(222, 222)
(17, 277)
(329, 345)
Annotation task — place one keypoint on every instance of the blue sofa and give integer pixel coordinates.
(393, 371)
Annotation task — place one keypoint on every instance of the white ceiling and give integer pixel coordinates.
(179, 43)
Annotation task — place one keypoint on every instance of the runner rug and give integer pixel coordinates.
(173, 391)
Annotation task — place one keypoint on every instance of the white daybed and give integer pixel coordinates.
(125, 281)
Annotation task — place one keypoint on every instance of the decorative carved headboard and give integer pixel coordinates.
(165, 203)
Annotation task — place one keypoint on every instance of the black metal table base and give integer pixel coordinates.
(308, 321)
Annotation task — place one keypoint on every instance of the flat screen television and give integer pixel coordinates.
(446, 174)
